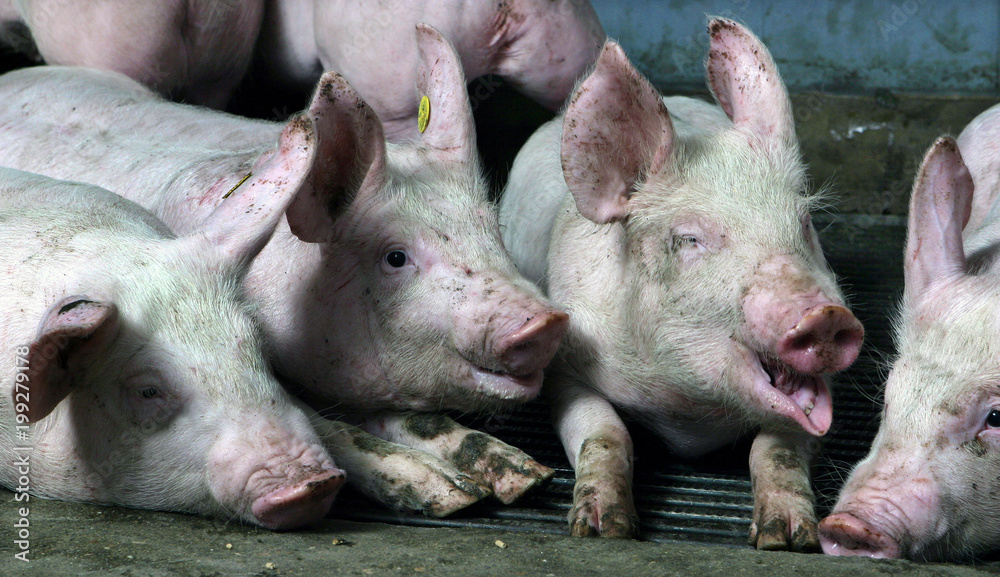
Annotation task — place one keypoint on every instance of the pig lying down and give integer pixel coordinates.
(132, 370)
(200, 50)
(928, 487)
(385, 289)
(677, 236)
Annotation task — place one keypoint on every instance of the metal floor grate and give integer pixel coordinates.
(708, 499)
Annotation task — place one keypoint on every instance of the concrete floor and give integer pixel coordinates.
(70, 539)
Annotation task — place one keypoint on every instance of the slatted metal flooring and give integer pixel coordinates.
(709, 499)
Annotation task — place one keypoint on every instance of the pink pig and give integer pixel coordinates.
(199, 51)
(677, 235)
(132, 369)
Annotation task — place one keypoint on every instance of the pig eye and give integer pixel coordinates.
(148, 392)
(395, 258)
(993, 419)
(685, 241)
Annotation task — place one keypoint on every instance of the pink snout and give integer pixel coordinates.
(826, 339)
(531, 347)
(300, 503)
(845, 534)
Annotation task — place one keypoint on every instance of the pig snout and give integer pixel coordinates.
(844, 534)
(826, 339)
(530, 346)
(274, 473)
(302, 501)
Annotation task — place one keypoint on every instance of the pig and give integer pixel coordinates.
(677, 235)
(132, 369)
(385, 290)
(199, 51)
(927, 488)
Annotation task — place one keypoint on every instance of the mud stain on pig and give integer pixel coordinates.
(785, 460)
(473, 448)
(373, 445)
(429, 426)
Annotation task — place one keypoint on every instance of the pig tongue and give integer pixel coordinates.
(804, 398)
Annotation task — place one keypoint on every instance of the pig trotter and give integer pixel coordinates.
(400, 477)
(602, 497)
(783, 517)
(489, 461)
(508, 470)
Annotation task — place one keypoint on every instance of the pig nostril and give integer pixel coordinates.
(845, 338)
(803, 342)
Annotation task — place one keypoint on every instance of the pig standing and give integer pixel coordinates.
(200, 50)
(928, 488)
(681, 245)
(386, 288)
(132, 371)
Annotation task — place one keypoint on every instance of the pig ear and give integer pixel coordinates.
(350, 158)
(980, 142)
(70, 327)
(939, 209)
(450, 131)
(243, 223)
(745, 81)
(616, 130)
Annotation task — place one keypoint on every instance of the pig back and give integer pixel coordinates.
(531, 201)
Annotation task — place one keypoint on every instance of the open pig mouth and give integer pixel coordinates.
(507, 386)
(802, 398)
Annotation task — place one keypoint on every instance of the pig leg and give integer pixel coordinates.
(508, 470)
(783, 503)
(396, 476)
(600, 449)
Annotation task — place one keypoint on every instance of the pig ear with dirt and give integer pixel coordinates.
(617, 132)
(350, 158)
(274, 181)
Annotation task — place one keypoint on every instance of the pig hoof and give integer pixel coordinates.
(595, 515)
(774, 535)
(518, 479)
(509, 471)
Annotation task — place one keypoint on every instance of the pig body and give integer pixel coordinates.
(386, 288)
(928, 486)
(701, 304)
(133, 372)
(198, 51)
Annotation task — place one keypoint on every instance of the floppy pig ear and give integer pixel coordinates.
(615, 130)
(70, 328)
(939, 208)
(350, 158)
(745, 81)
(450, 130)
(243, 223)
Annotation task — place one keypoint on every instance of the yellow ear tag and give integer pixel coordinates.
(423, 113)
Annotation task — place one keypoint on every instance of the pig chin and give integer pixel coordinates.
(501, 386)
(784, 395)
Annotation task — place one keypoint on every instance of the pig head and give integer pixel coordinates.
(927, 488)
(135, 372)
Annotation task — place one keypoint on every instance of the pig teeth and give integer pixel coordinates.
(809, 408)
